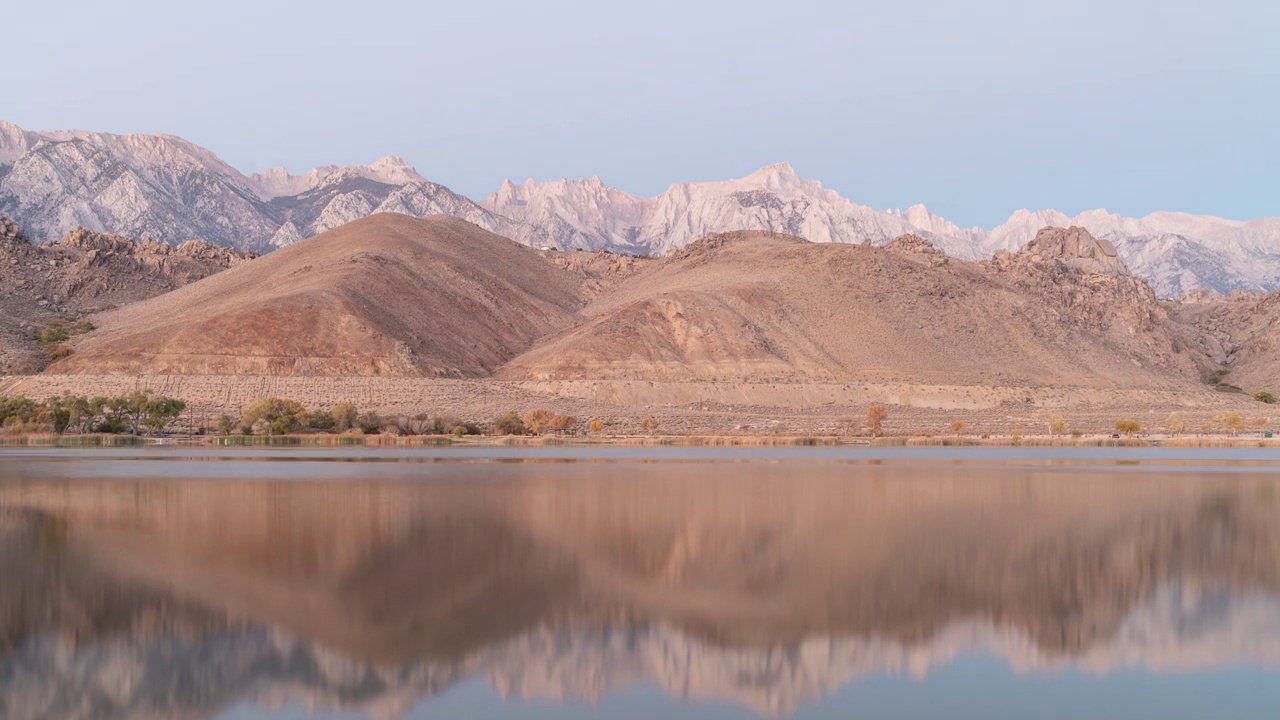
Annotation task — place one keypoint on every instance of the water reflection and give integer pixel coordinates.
(766, 584)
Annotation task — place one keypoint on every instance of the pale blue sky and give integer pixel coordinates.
(974, 108)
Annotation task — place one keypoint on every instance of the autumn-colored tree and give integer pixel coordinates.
(562, 423)
(596, 426)
(957, 427)
(1228, 421)
(649, 425)
(538, 420)
(1128, 427)
(1057, 424)
(876, 415)
(1259, 422)
(1175, 424)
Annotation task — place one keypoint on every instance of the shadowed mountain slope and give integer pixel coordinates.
(388, 294)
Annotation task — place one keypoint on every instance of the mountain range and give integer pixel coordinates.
(167, 189)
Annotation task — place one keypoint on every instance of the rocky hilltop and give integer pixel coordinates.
(163, 188)
(85, 272)
(438, 297)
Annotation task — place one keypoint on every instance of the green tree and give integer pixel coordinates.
(275, 416)
(1128, 427)
(509, 424)
(160, 411)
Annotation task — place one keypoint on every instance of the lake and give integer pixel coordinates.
(639, 582)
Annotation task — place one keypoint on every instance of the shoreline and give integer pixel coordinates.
(722, 441)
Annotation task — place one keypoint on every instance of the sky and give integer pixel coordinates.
(974, 108)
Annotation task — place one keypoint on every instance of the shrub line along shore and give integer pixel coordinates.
(393, 441)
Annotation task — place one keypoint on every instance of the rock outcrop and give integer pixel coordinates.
(85, 272)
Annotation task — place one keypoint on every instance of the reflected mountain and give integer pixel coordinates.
(764, 584)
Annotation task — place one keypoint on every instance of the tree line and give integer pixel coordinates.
(141, 412)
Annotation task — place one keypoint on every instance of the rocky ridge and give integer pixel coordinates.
(164, 188)
(86, 272)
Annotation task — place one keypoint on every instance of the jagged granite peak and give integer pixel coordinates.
(170, 190)
(277, 182)
(775, 198)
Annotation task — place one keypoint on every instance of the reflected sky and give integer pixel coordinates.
(784, 585)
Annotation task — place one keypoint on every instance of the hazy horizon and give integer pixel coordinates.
(975, 112)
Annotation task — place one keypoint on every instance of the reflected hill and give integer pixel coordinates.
(766, 584)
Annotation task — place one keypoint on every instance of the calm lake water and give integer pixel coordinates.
(639, 583)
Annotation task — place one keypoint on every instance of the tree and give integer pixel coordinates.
(226, 425)
(596, 426)
(1264, 396)
(876, 415)
(1259, 422)
(160, 411)
(1128, 427)
(649, 425)
(1175, 424)
(957, 427)
(280, 415)
(1057, 424)
(1228, 421)
(562, 423)
(509, 424)
(537, 420)
(345, 416)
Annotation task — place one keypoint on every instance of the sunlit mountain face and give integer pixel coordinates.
(192, 589)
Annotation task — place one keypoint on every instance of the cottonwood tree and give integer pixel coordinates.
(537, 420)
(1057, 424)
(876, 415)
(957, 427)
(1128, 427)
(1175, 424)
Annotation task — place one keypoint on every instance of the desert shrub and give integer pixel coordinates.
(1217, 375)
(1077, 434)
(1264, 396)
(509, 424)
(1128, 427)
(596, 426)
(369, 423)
(345, 417)
(876, 415)
(649, 425)
(52, 335)
(57, 352)
(321, 420)
(458, 431)
(538, 420)
(957, 427)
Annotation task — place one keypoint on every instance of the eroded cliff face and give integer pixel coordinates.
(767, 586)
